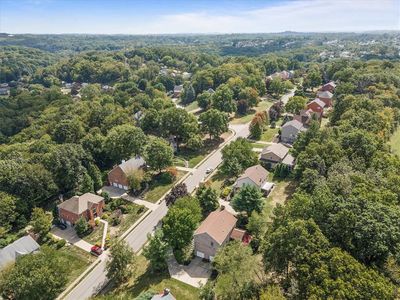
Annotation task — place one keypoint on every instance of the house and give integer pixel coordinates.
(118, 176)
(165, 295)
(178, 89)
(89, 206)
(326, 97)
(284, 75)
(186, 75)
(214, 232)
(330, 87)
(256, 176)
(211, 91)
(275, 154)
(307, 115)
(4, 91)
(22, 246)
(316, 105)
(241, 236)
(290, 131)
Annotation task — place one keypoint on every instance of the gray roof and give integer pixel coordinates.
(178, 88)
(325, 94)
(22, 246)
(319, 102)
(256, 173)
(163, 296)
(294, 123)
(288, 160)
(132, 164)
(278, 149)
(79, 204)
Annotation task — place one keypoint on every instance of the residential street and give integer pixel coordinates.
(93, 282)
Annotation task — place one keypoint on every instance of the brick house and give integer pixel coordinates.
(330, 87)
(87, 205)
(118, 176)
(316, 105)
(214, 232)
(307, 115)
(326, 97)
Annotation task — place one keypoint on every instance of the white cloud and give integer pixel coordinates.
(305, 15)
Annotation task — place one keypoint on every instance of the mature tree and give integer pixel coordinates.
(276, 87)
(248, 199)
(180, 223)
(124, 141)
(159, 155)
(135, 179)
(250, 95)
(204, 100)
(272, 292)
(90, 92)
(313, 79)
(188, 95)
(82, 227)
(214, 122)
(237, 270)
(208, 199)
(178, 191)
(68, 131)
(296, 104)
(41, 221)
(238, 156)
(195, 142)
(156, 251)
(8, 210)
(150, 122)
(121, 266)
(276, 110)
(35, 276)
(223, 99)
(256, 127)
(179, 123)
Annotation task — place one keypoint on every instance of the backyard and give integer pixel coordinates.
(152, 283)
(283, 190)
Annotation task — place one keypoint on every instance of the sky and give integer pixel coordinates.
(196, 16)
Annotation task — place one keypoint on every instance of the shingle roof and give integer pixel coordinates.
(319, 102)
(256, 173)
(288, 160)
(325, 94)
(163, 296)
(22, 246)
(277, 149)
(79, 204)
(132, 164)
(178, 88)
(294, 123)
(218, 225)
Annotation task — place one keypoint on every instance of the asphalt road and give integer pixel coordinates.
(96, 279)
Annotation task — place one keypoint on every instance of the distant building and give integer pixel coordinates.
(22, 246)
(326, 97)
(118, 176)
(317, 105)
(290, 131)
(89, 206)
(275, 154)
(4, 91)
(178, 89)
(307, 115)
(165, 295)
(255, 176)
(329, 87)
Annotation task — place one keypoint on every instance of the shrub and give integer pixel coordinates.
(82, 227)
(60, 243)
(225, 192)
(97, 222)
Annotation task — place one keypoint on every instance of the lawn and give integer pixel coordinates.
(145, 281)
(191, 106)
(258, 145)
(179, 162)
(195, 157)
(282, 192)
(395, 142)
(135, 212)
(76, 261)
(263, 105)
(158, 188)
(269, 134)
(96, 235)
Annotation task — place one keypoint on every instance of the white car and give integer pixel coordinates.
(209, 170)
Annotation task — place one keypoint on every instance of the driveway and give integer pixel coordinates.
(71, 237)
(112, 191)
(195, 274)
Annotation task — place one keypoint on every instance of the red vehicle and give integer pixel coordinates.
(96, 250)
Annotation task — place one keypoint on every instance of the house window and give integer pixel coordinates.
(212, 244)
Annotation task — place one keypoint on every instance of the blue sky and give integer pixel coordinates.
(196, 16)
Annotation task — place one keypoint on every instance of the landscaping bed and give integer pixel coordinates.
(158, 187)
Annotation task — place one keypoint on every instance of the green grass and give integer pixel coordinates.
(179, 162)
(324, 122)
(135, 212)
(257, 145)
(158, 188)
(155, 283)
(263, 105)
(283, 190)
(195, 157)
(96, 235)
(395, 142)
(192, 106)
(269, 134)
(76, 261)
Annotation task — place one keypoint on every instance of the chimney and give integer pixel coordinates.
(166, 291)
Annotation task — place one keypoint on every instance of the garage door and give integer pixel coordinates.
(120, 186)
(200, 254)
(115, 184)
(211, 258)
(125, 188)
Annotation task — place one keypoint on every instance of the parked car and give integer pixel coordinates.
(62, 226)
(209, 170)
(96, 250)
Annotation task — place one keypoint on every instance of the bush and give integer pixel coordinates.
(225, 192)
(97, 222)
(60, 243)
(115, 220)
(82, 227)
(105, 216)
(273, 124)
